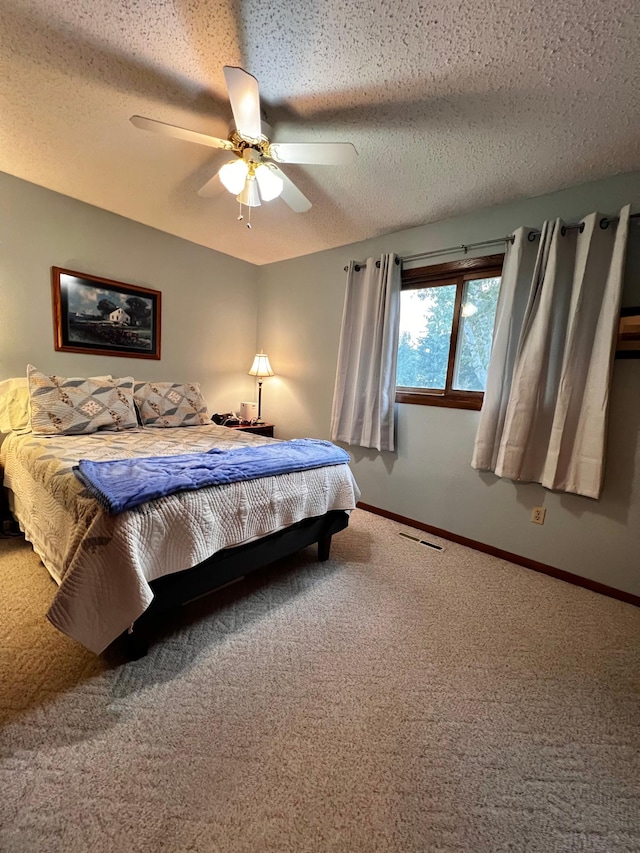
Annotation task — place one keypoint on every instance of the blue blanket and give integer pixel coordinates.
(121, 484)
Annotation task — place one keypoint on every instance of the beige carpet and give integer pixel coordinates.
(392, 699)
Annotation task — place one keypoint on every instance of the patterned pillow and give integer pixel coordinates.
(167, 404)
(62, 406)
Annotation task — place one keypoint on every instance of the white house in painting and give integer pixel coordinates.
(120, 316)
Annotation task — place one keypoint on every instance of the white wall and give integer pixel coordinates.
(429, 478)
(209, 302)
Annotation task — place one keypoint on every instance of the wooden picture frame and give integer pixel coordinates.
(82, 320)
(628, 344)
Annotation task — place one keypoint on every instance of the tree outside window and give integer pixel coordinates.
(446, 328)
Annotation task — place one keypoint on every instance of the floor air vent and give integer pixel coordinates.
(423, 542)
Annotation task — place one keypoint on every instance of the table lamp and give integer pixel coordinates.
(260, 368)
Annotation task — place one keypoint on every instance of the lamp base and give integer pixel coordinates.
(259, 420)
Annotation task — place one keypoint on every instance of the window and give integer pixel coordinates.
(447, 313)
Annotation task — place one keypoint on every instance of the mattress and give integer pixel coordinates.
(103, 563)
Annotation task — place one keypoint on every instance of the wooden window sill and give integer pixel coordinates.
(471, 402)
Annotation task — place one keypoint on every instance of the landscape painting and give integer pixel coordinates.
(101, 316)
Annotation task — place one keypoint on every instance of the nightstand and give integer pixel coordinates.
(256, 429)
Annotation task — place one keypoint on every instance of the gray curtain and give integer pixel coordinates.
(364, 395)
(544, 416)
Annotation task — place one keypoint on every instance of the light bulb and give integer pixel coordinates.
(269, 183)
(234, 175)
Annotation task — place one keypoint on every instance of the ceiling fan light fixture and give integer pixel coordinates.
(269, 183)
(234, 175)
(250, 195)
(249, 178)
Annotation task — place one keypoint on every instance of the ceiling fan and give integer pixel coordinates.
(254, 175)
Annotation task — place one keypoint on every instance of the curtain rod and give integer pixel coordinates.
(604, 223)
(464, 247)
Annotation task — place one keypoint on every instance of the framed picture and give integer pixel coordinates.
(628, 345)
(104, 317)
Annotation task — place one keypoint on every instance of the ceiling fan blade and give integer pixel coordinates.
(180, 132)
(320, 153)
(212, 188)
(297, 201)
(245, 101)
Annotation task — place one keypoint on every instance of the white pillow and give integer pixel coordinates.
(14, 405)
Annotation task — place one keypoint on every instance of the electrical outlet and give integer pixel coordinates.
(537, 514)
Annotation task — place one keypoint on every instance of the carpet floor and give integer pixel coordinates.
(395, 698)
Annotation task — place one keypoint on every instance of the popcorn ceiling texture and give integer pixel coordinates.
(452, 107)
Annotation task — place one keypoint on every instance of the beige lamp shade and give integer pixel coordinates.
(261, 366)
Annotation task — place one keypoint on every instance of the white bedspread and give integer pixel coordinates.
(103, 563)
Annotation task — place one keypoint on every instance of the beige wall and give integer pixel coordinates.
(209, 300)
(429, 478)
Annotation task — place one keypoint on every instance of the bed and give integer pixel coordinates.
(115, 573)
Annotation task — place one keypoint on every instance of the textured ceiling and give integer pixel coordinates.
(451, 106)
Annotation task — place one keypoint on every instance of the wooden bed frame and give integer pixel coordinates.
(172, 591)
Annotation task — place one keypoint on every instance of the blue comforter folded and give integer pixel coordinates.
(121, 484)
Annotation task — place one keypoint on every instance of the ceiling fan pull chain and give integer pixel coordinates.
(249, 219)
(240, 217)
